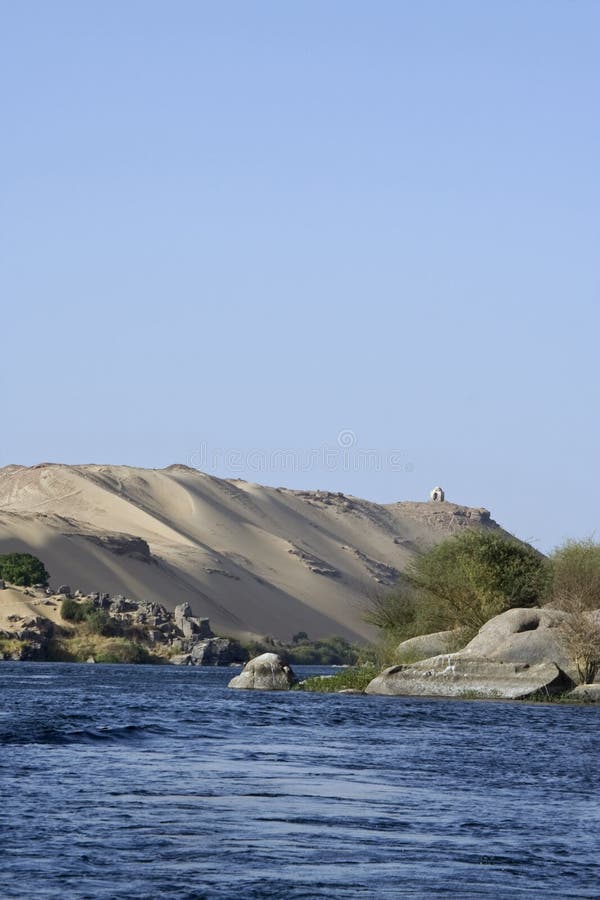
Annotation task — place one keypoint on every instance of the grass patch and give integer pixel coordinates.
(479, 695)
(10, 646)
(81, 647)
(356, 678)
(545, 697)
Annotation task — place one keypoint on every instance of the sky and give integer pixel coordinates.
(338, 245)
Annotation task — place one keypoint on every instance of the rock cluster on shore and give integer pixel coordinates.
(179, 637)
(461, 675)
(516, 654)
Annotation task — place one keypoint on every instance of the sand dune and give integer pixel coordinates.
(253, 559)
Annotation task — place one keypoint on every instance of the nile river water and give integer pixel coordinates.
(143, 782)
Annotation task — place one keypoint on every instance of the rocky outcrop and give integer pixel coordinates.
(266, 672)
(177, 637)
(28, 638)
(516, 653)
(122, 545)
(465, 675)
(211, 652)
(426, 645)
(190, 625)
(588, 693)
(313, 563)
(526, 636)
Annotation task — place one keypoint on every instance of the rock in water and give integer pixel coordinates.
(460, 675)
(266, 672)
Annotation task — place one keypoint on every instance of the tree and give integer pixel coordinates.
(461, 584)
(299, 636)
(575, 588)
(581, 638)
(23, 569)
(575, 582)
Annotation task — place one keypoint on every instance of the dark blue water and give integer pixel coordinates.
(141, 782)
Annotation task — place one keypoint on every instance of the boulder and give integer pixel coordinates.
(181, 659)
(121, 604)
(202, 628)
(464, 675)
(186, 626)
(589, 693)
(426, 645)
(182, 611)
(64, 589)
(266, 672)
(2, 585)
(209, 652)
(190, 625)
(523, 636)
(155, 636)
(217, 652)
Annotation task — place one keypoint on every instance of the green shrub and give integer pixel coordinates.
(575, 588)
(70, 610)
(461, 584)
(121, 651)
(576, 576)
(356, 678)
(331, 651)
(97, 620)
(23, 569)
(299, 636)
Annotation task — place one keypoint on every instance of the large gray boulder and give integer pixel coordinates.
(523, 636)
(589, 693)
(426, 645)
(464, 675)
(210, 652)
(266, 672)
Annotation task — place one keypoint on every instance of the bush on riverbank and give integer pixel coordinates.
(331, 651)
(575, 588)
(575, 576)
(461, 584)
(82, 646)
(355, 678)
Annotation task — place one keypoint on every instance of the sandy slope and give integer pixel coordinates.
(251, 558)
(17, 607)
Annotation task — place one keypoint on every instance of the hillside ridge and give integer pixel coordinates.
(253, 559)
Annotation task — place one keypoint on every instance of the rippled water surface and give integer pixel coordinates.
(141, 782)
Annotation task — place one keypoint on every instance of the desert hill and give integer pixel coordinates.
(253, 559)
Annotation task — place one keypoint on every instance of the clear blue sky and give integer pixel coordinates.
(249, 226)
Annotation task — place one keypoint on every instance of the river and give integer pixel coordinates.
(143, 782)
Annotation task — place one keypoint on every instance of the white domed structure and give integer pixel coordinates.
(437, 495)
